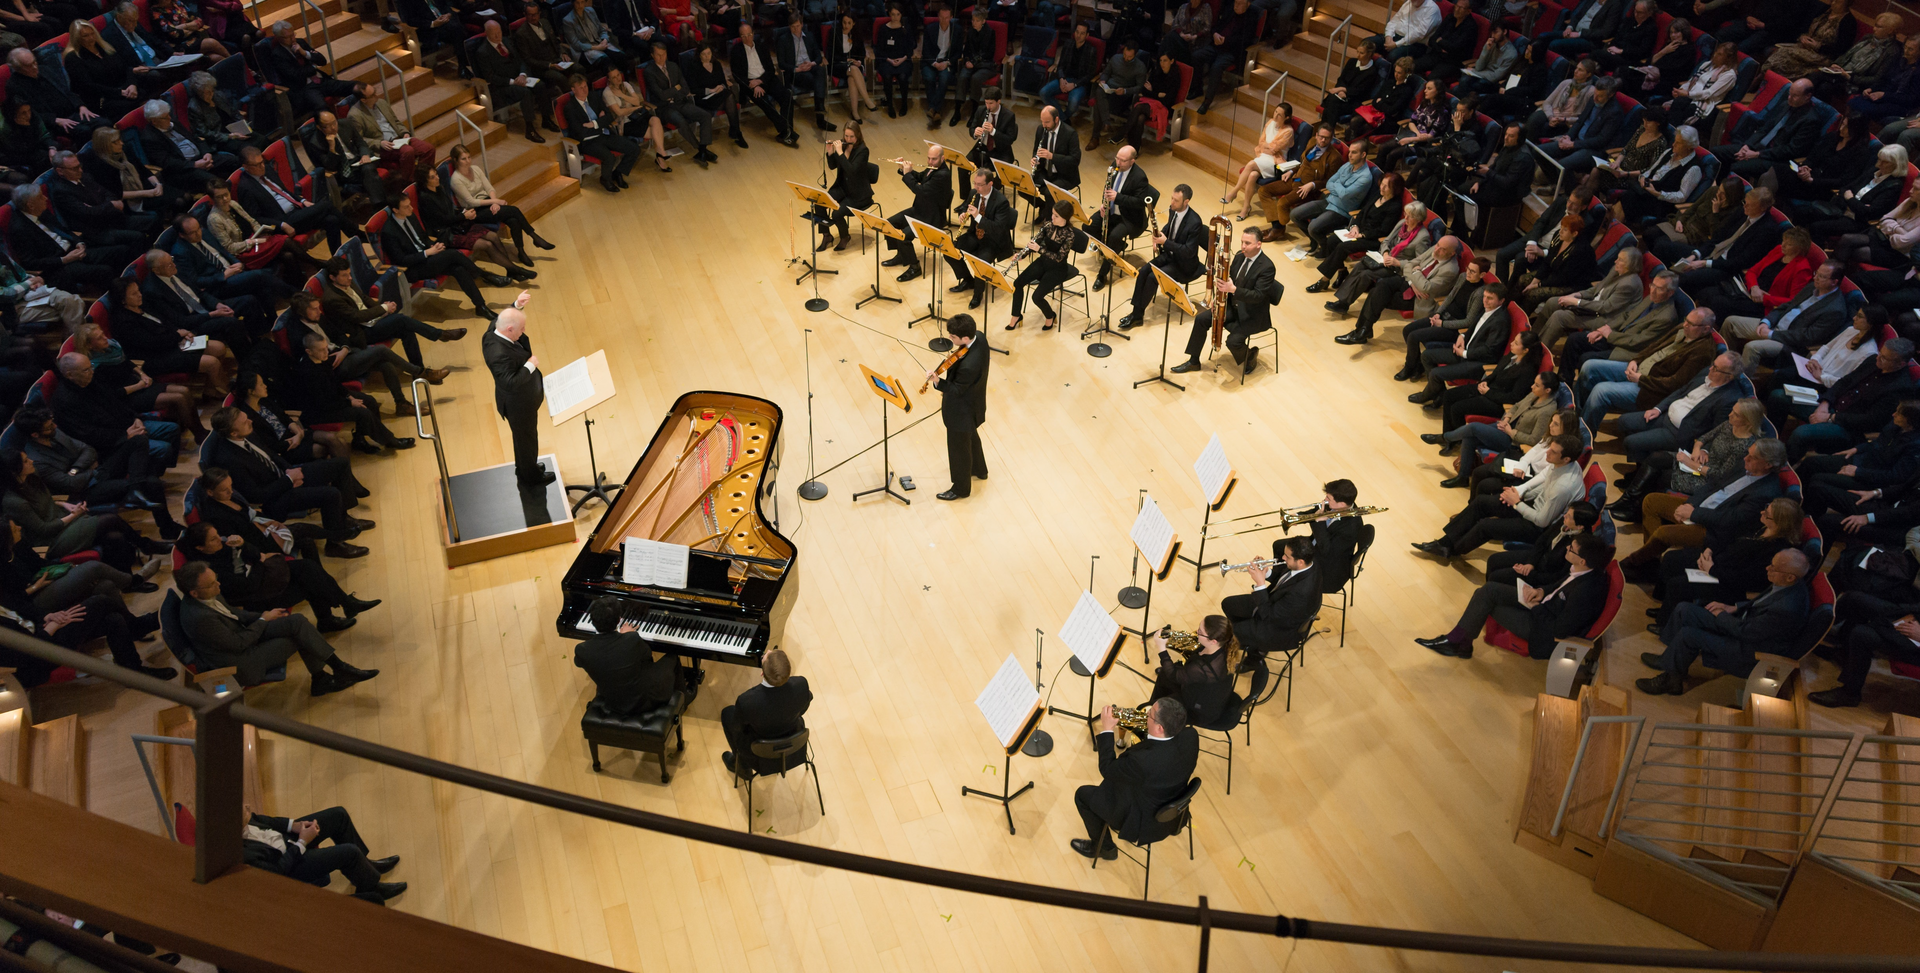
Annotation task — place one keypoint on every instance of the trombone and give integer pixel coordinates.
(1291, 517)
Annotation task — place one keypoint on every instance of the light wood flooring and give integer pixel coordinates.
(1385, 796)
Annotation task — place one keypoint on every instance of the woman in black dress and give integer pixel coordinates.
(713, 93)
(847, 59)
(1052, 246)
(852, 183)
(1203, 681)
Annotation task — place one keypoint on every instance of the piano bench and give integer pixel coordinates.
(645, 731)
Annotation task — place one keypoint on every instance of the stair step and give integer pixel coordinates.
(547, 196)
(413, 80)
(290, 12)
(56, 762)
(1202, 156)
(351, 49)
(515, 155)
(13, 746)
(437, 99)
(1366, 16)
(1305, 96)
(445, 130)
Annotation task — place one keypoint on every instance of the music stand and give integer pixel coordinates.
(959, 159)
(813, 196)
(1153, 537)
(936, 241)
(888, 389)
(1012, 710)
(1079, 211)
(1176, 297)
(882, 227)
(995, 281)
(1015, 178)
(1094, 638)
(571, 391)
(1217, 481)
(1121, 271)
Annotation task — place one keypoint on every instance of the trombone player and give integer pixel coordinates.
(1335, 542)
(1203, 680)
(1271, 616)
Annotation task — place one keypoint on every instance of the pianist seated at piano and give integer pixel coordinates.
(627, 675)
(769, 711)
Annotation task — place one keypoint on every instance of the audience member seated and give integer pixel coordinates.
(1539, 614)
(1595, 306)
(230, 513)
(212, 116)
(212, 269)
(68, 528)
(278, 432)
(462, 227)
(264, 198)
(373, 117)
(122, 179)
(1738, 569)
(97, 74)
(256, 642)
(1375, 218)
(1867, 626)
(1391, 102)
(628, 677)
(1429, 277)
(1734, 245)
(1653, 193)
(80, 200)
(1809, 320)
(1510, 381)
(774, 709)
(1607, 385)
(1526, 424)
(512, 82)
(1135, 785)
(1567, 267)
(1767, 285)
(1729, 637)
(77, 471)
(1359, 80)
(1544, 562)
(1724, 507)
(316, 384)
(1829, 480)
(79, 262)
(1828, 364)
(1599, 126)
(407, 244)
(1649, 321)
(345, 167)
(291, 64)
(63, 111)
(114, 369)
(167, 296)
(1515, 513)
(280, 490)
(474, 191)
(1407, 240)
(1857, 405)
(1686, 414)
(353, 319)
(1567, 102)
(1718, 454)
(292, 849)
(91, 608)
(188, 167)
(162, 347)
(1462, 336)
(261, 580)
(1855, 182)
(99, 415)
(256, 245)
(1578, 200)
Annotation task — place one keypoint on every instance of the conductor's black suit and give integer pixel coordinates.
(1136, 784)
(963, 407)
(766, 713)
(1270, 619)
(1249, 307)
(518, 392)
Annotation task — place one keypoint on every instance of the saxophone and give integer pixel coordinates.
(1134, 718)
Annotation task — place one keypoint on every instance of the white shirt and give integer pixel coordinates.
(755, 68)
(65, 241)
(1689, 401)
(1477, 325)
(1836, 359)
(1413, 22)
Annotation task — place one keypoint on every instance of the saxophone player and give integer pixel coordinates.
(1271, 616)
(1203, 681)
(1056, 158)
(1123, 208)
(1180, 246)
(1249, 293)
(989, 220)
(1137, 783)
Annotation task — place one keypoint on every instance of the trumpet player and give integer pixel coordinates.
(1137, 783)
(1203, 680)
(1271, 617)
(932, 190)
(988, 235)
(1335, 542)
(1123, 208)
(1056, 158)
(993, 126)
(1177, 249)
(1250, 293)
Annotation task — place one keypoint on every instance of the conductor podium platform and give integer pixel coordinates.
(492, 517)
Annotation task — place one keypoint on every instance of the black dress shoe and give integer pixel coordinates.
(361, 523)
(141, 585)
(1435, 644)
(897, 261)
(354, 606)
(739, 141)
(384, 865)
(910, 273)
(1455, 483)
(1420, 398)
(390, 890)
(1404, 374)
(342, 549)
(403, 442)
(334, 623)
(965, 285)
(1319, 286)
(1354, 337)
(1653, 660)
(1664, 684)
(364, 446)
(1835, 698)
(1335, 306)
(820, 122)
(538, 480)
(324, 684)
(541, 242)
(1190, 365)
(1432, 438)
(495, 280)
(1100, 282)
(979, 297)
(980, 475)
(1434, 548)
(1129, 322)
(790, 140)
(1107, 852)
(533, 135)
(951, 495)
(166, 673)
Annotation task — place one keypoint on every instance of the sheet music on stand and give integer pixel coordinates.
(1079, 212)
(1152, 535)
(933, 238)
(954, 156)
(1214, 471)
(655, 563)
(568, 387)
(1010, 704)
(1092, 635)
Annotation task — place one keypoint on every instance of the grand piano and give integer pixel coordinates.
(702, 482)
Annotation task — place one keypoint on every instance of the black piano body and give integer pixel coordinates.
(705, 481)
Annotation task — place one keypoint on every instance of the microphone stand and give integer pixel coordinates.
(817, 303)
(813, 489)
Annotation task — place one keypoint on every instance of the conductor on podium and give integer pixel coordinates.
(518, 390)
(963, 405)
(1137, 783)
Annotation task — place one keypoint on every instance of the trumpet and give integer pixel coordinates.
(1259, 562)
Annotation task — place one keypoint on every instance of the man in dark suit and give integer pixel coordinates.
(1788, 129)
(142, 50)
(994, 129)
(626, 675)
(69, 260)
(262, 195)
(292, 65)
(176, 301)
(343, 161)
(518, 390)
(978, 72)
(1136, 784)
(1798, 327)
(512, 82)
(187, 166)
(256, 642)
(83, 201)
(1251, 293)
(539, 46)
(279, 490)
(292, 848)
(1056, 158)
(1735, 248)
(941, 44)
(963, 406)
(585, 115)
(212, 270)
(774, 709)
(99, 416)
(1270, 618)
(1730, 637)
(316, 382)
(932, 191)
(1878, 464)
(1859, 404)
(755, 74)
(1598, 128)
(1725, 508)
(989, 237)
(53, 104)
(258, 580)
(1541, 616)
(1455, 316)
(1336, 543)
(1686, 415)
(1587, 27)
(353, 319)
(1504, 179)
(1177, 252)
(797, 51)
(673, 102)
(407, 245)
(437, 24)
(1122, 212)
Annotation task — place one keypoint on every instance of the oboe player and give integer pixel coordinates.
(989, 235)
(994, 130)
(1123, 208)
(852, 183)
(1203, 681)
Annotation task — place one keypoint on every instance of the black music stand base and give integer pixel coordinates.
(876, 295)
(599, 489)
(1039, 744)
(886, 463)
(1005, 799)
(813, 490)
(1133, 596)
(936, 301)
(1101, 349)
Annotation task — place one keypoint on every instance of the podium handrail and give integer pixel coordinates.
(421, 388)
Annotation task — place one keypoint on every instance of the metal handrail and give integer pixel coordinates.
(400, 76)
(1579, 754)
(1326, 70)
(326, 34)
(479, 134)
(153, 783)
(420, 389)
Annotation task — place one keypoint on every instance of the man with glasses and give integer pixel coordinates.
(1687, 414)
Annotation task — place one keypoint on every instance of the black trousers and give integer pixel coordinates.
(459, 266)
(308, 99)
(1872, 634)
(1387, 292)
(406, 330)
(1114, 233)
(514, 220)
(1147, 286)
(312, 496)
(969, 244)
(1096, 812)
(535, 103)
(965, 458)
(280, 640)
(618, 150)
(1043, 275)
(1419, 336)
(93, 272)
(1485, 519)
(774, 99)
(347, 854)
(362, 362)
(319, 216)
(1236, 335)
(1499, 601)
(525, 427)
(695, 123)
(365, 423)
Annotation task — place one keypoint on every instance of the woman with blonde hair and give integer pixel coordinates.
(100, 78)
(1276, 143)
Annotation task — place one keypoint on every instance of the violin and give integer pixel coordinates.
(941, 369)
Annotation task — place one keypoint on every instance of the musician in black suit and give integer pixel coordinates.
(1179, 250)
(1730, 637)
(774, 709)
(963, 406)
(262, 195)
(211, 269)
(1202, 681)
(292, 65)
(1056, 158)
(1270, 618)
(1335, 542)
(518, 390)
(1123, 208)
(932, 193)
(994, 128)
(292, 848)
(38, 241)
(256, 642)
(989, 237)
(756, 76)
(1541, 616)
(1136, 784)
(797, 52)
(853, 179)
(585, 116)
(627, 677)
(1251, 292)
(324, 485)
(407, 245)
(511, 81)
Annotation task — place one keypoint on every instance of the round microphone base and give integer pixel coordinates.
(817, 304)
(1039, 744)
(1133, 597)
(813, 490)
(942, 345)
(1099, 349)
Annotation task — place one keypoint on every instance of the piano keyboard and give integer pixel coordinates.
(716, 635)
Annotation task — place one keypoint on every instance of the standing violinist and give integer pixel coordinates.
(1203, 681)
(988, 234)
(963, 404)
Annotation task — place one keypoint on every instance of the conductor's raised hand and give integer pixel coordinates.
(1108, 721)
(523, 300)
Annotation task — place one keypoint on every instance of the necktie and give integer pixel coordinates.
(502, 48)
(180, 287)
(260, 454)
(215, 254)
(1777, 126)
(286, 201)
(412, 237)
(1727, 244)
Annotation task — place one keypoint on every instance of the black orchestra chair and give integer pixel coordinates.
(644, 732)
(1173, 817)
(776, 756)
(1348, 592)
(1295, 655)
